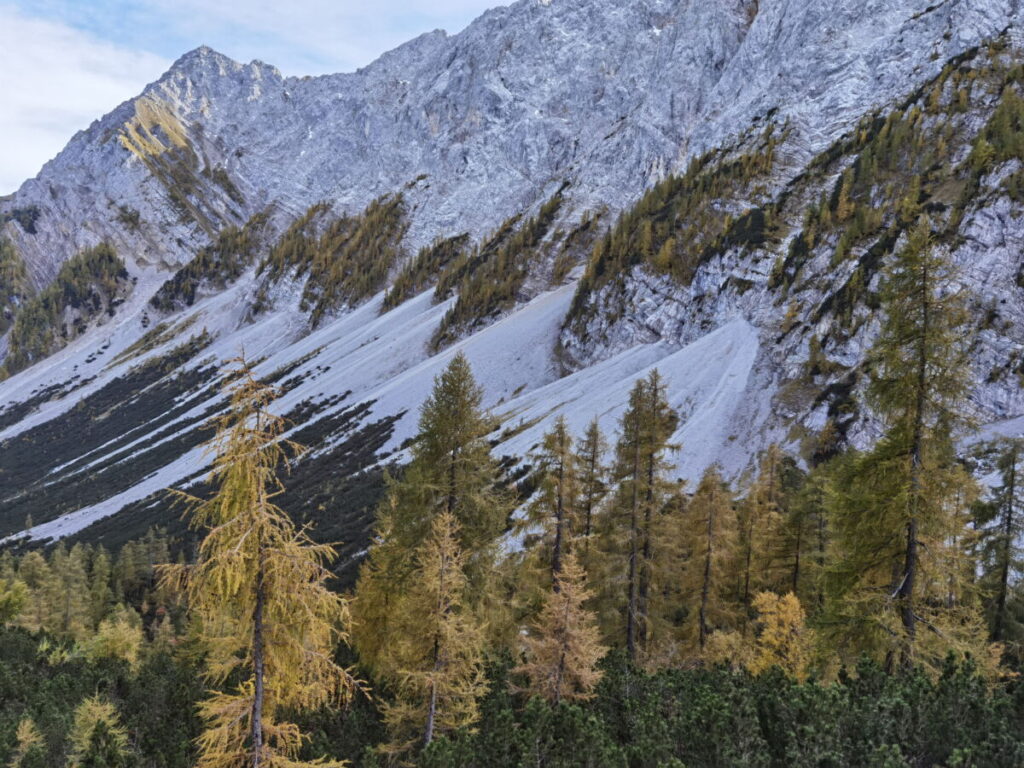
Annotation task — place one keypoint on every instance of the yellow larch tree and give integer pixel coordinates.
(29, 745)
(707, 535)
(97, 736)
(258, 594)
(451, 471)
(563, 648)
(784, 639)
(437, 646)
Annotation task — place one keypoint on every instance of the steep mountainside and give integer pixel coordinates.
(569, 191)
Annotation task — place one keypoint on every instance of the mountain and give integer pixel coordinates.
(569, 191)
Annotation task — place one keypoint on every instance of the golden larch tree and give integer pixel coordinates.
(258, 594)
(437, 646)
(784, 639)
(563, 648)
(708, 538)
(97, 736)
(451, 471)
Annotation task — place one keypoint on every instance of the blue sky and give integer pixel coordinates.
(64, 63)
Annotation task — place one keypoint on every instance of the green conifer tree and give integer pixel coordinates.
(1001, 522)
(451, 471)
(644, 493)
(708, 538)
(592, 485)
(553, 508)
(896, 511)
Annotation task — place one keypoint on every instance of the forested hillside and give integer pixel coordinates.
(591, 610)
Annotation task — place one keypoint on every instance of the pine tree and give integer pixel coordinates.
(258, 593)
(563, 648)
(438, 644)
(708, 537)
(897, 510)
(451, 471)
(98, 740)
(1001, 521)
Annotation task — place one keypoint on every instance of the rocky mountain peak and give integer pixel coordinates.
(594, 187)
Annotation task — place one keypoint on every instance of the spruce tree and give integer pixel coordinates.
(592, 484)
(642, 495)
(258, 594)
(553, 509)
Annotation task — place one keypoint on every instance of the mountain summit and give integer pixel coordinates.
(570, 192)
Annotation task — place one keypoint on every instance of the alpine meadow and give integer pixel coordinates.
(612, 384)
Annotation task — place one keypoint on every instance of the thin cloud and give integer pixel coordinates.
(56, 81)
(68, 62)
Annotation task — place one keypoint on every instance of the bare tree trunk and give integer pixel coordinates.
(442, 610)
(428, 735)
(258, 665)
(747, 558)
(796, 562)
(643, 608)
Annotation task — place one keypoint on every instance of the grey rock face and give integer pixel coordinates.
(605, 93)
(609, 95)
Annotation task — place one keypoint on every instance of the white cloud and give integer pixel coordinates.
(55, 80)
